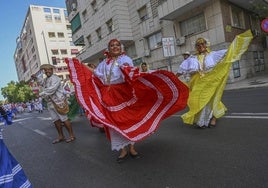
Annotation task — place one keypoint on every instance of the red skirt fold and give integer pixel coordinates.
(134, 108)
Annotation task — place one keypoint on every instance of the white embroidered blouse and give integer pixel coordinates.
(111, 73)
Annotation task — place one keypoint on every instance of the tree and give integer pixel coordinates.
(261, 9)
(18, 92)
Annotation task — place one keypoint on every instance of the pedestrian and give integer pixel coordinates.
(184, 66)
(11, 172)
(144, 67)
(209, 72)
(91, 66)
(129, 106)
(52, 92)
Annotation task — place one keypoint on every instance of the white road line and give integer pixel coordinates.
(258, 114)
(246, 117)
(44, 118)
(240, 115)
(40, 132)
(22, 119)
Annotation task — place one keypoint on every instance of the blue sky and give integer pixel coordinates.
(12, 16)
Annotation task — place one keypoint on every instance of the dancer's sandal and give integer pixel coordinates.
(134, 156)
(121, 159)
(70, 139)
(58, 140)
(212, 122)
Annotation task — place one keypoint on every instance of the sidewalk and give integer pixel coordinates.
(256, 81)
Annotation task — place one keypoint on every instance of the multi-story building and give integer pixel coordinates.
(159, 31)
(46, 37)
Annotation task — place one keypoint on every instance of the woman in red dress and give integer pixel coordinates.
(128, 104)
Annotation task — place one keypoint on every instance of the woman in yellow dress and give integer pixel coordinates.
(209, 72)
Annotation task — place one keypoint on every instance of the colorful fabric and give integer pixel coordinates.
(134, 108)
(74, 107)
(11, 172)
(210, 86)
(6, 116)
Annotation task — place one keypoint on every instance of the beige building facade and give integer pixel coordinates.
(159, 31)
(45, 37)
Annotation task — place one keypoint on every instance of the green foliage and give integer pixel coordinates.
(260, 9)
(17, 92)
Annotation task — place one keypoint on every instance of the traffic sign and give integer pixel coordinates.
(264, 25)
(168, 46)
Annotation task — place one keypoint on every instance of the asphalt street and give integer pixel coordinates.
(234, 154)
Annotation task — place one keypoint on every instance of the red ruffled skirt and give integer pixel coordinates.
(134, 108)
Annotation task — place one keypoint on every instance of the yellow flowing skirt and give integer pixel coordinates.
(210, 87)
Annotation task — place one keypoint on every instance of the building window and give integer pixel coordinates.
(94, 5)
(66, 14)
(98, 32)
(48, 18)
(68, 27)
(56, 11)
(89, 40)
(131, 51)
(237, 17)
(55, 52)
(258, 61)
(47, 10)
(193, 25)
(110, 26)
(63, 51)
(57, 18)
(34, 58)
(31, 41)
(236, 69)
(69, 35)
(143, 14)
(23, 64)
(155, 41)
(84, 14)
(54, 60)
(51, 35)
(60, 35)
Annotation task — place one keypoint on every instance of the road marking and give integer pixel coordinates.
(44, 118)
(15, 120)
(40, 132)
(236, 115)
(22, 119)
(253, 114)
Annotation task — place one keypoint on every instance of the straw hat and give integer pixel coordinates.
(186, 53)
(47, 66)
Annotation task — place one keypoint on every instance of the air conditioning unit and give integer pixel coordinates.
(147, 53)
(74, 7)
(180, 41)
